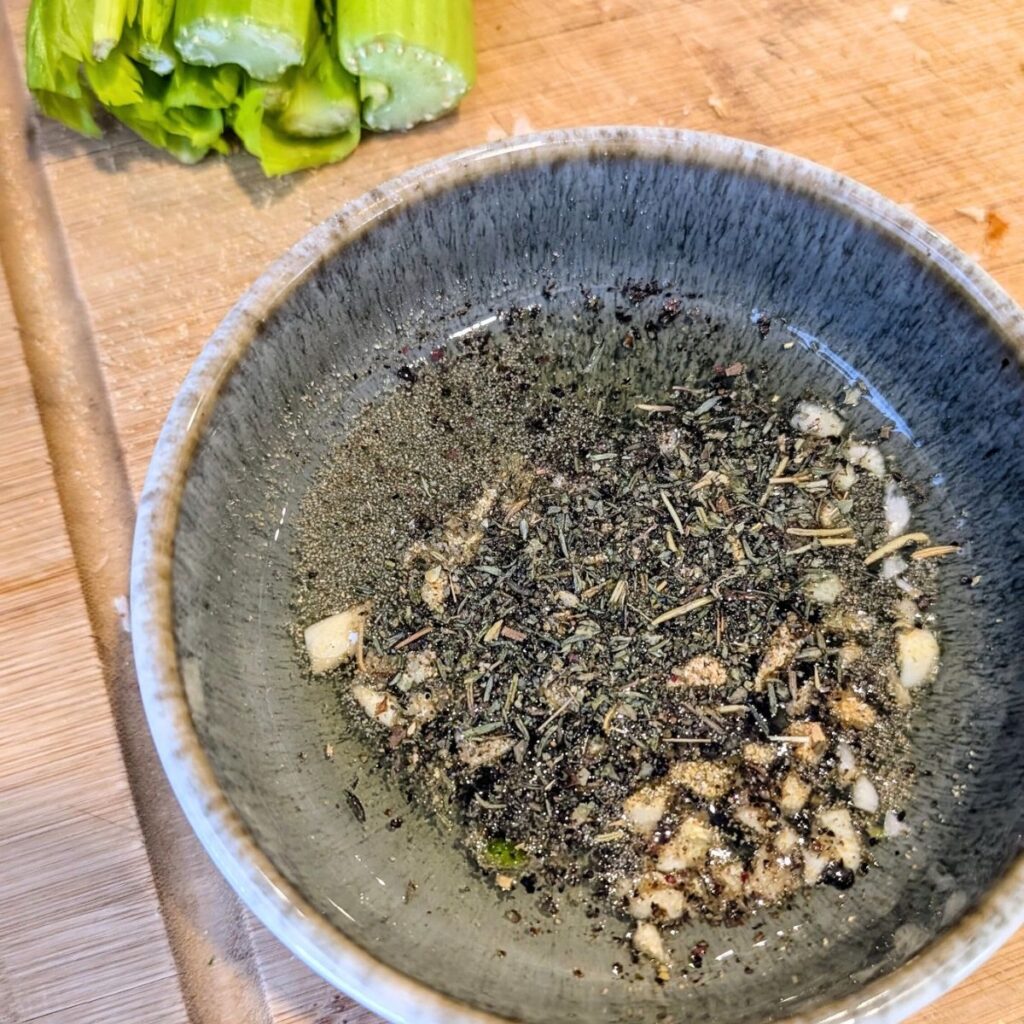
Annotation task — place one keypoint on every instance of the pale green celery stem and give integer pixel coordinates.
(154, 20)
(265, 37)
(52, 75)
(161, 58)
(108, 22)
(443, 28)
(415, 58)
(156, 47)
(278, 151)
(324, 97)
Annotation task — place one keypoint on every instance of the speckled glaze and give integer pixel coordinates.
(778, 260)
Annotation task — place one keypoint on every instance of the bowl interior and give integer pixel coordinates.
(767, 273)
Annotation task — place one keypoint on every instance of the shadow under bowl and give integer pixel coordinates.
(771, 260)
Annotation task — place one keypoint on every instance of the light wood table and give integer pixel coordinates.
(108, 913)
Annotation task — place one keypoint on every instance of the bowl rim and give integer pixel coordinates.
(398, 997)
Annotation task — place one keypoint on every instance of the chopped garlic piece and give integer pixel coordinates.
(730, 878)
(834, 839)
(581, 813)
(794, 794)
(905, 611)
(850, 654)
(705, 779)
(434, 589)
(689, 847)
(647, 940)
(787, 840)
(865, 796)
(335, 639)
(814, 866)
(378, 705)
(813, 750)
(867, 457)
(917, 652)
(816, 420)
(656, 899)
(893, 826)
(899, 692)
(837, 832)
(847, 763)
(645, 808)
(897, 510)
(772, 877)
(892, 567)
(764, 755)
(844, 477)
(758, 820)
(421, 666)
(823, 587)
(703, 670)
(852, 712)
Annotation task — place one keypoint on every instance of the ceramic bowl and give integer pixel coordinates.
(777, 261)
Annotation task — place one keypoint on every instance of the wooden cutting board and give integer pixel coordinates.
(108, 912)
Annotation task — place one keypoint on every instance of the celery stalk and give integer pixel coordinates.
(278, 73)
(52, 74)
(279, 152)
(181, 114)
(323, 98)
(155, 17)
(108, 21)
(147, 119)
(86, 30)
(265, 37)
(209, 88)
(116, 81)
(414, 58)
(308, 118)
(155, 41)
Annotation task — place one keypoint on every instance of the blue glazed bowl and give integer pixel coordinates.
(779, 261)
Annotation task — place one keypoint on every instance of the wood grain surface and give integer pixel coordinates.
(922, 99)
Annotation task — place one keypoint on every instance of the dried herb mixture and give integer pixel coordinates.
(660, 644)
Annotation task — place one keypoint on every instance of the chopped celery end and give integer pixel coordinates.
(311, 115)
(414, 58)
(85, 30)
(276, 95)
(52, 74)
(156, 47)
(74, 112)
(323, 98)
(263, 37)
(116, 81)
(209, 88)
(185, 140)
(157, 58)
(109, 18)
(402, 86)
(203, 128)
(278, 151)
(155, 17)
(188, 131)
(160, 58)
